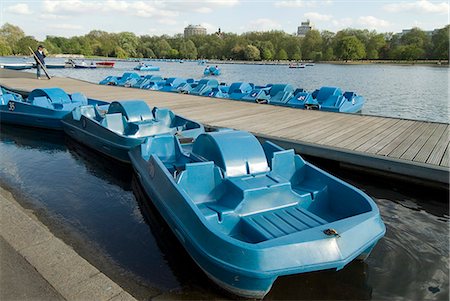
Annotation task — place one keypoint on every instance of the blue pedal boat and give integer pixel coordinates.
(330, 99)
(146, 67)
(213, 70)
(173, 83)
(115, 128)
(44, 108)
(239, 89)
(120, 80)
(248, 213)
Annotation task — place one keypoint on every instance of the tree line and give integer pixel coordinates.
(347, 44)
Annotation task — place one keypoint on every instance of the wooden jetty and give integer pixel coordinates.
(418, 150)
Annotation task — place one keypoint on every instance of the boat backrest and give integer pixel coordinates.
(166, 147)
(199, 180)
(283, 163)
(79, 98)
(88, 111)
(178, 81)
(133, 110)
(326, 92)
(350, 95)
(114, 122)
(235, 152)
(5, 98)
(164, 116)
(42, 101)
(213, 83)
(55, 95)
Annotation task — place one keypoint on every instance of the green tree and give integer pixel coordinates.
(4, 47)
(281, 55)
(188, 50)
(12, 34)
(267, 50)
(145, 50)
(441, 43)
(408, 52)
(350, 48)
(311, 44)
(375, 45)
(128, 41)
(162, 49)
(120, 53)
(23, 44)
(251, 53)
(237, 52)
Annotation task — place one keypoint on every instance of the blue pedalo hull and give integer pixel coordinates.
(249, 213)
(44, 108)
(115, 128)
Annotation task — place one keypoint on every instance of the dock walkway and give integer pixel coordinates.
(417, 149)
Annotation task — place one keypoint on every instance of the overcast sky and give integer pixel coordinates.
(77, 17)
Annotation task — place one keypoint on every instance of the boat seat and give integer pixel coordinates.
(284, 163)
(55, 95)
(79, 98)
(114, 122)
(5, 98)
(42, 101)
(132, 110)
(166, 147)
(151, 128)
(325, 93)
(100, 111)
(199, 180)
(88, 111)
(164, 116)
(235, 152)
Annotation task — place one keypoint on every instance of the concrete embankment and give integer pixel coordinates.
(36, 265)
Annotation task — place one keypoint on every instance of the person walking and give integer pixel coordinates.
(40, 55)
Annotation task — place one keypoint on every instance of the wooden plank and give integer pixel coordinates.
(345, 130)
(336, 139)
(314, 127)
(371, 133)
(430, 144)
(415, 148)
(409, 141)
(332, 129)
(390, 136)
(398, 140)
(361, 133)
(436, 155)
(445, 158)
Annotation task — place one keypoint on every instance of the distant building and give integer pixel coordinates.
(304, 28)
(193, 30)
(219, 33)
(427, 32)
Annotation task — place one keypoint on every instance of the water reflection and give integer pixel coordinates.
(98, 203)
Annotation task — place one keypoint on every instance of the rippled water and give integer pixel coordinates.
(412, 92)
(96, 203)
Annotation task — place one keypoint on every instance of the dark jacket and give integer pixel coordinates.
(41, 57)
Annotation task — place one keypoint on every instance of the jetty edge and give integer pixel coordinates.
(412, 150)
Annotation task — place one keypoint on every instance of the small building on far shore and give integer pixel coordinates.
(304, 28)
(193, 30)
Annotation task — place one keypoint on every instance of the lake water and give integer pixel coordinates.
(96, 206)
(412, 92)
